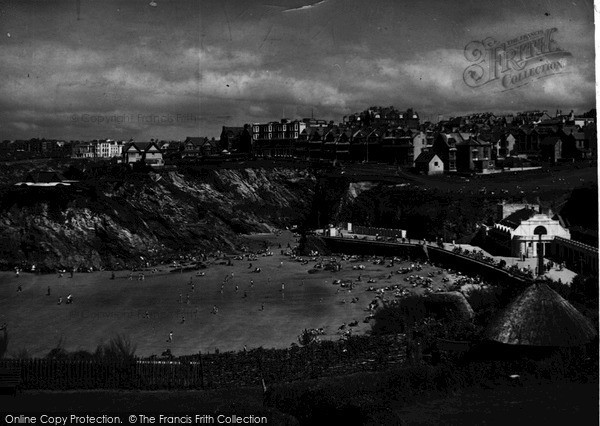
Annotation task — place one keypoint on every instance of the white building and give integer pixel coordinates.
(109, 149)
(98, 149)
(518, 232)
(429, 163)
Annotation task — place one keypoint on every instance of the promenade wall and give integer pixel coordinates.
(413, 251)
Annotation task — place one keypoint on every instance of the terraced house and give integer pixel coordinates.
(277, 138)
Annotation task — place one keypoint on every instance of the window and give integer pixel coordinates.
(435, 164)
(284, 127)
(296, 133)
(270, 128)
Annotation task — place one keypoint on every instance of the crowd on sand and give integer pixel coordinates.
(389, 279)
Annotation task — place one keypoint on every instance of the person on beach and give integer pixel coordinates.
(19, 288)
(60, 300)
(170, 339)
(48, 291)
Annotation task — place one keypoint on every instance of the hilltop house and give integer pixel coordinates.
(444, 146)
(172, 148)
(198, 147)
(551, 149)
(429, 163)
(84, 150)
(231, 138)
(472, 154)
(148, 152)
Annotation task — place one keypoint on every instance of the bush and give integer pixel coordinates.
(584, 289)
(399, 318)
(307, 337)
(58, 352)
(119, 347)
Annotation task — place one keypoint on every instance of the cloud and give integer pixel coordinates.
(228, 63)
(305, 7)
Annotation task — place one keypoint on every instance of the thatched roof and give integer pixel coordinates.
(541, 317)
(454, 301)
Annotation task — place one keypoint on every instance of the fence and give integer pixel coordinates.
(218, 370)
(384, 232)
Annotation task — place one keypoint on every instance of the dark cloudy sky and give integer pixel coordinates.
(174, 68)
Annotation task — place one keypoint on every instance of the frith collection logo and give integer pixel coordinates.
(515, 62)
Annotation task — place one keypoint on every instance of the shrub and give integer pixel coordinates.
(119, 347)
(58, 352)
(399, 318)
(307, 337)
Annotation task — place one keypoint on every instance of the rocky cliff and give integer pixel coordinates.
(121, 219)
(117, 218)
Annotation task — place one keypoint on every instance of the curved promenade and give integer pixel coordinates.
(430, 252)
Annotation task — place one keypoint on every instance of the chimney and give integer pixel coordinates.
(500, 210)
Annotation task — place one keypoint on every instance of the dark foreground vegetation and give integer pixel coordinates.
(377, 398)
(561, 386)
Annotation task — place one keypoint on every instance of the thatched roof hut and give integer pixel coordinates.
(541, 317)
(453, 302)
